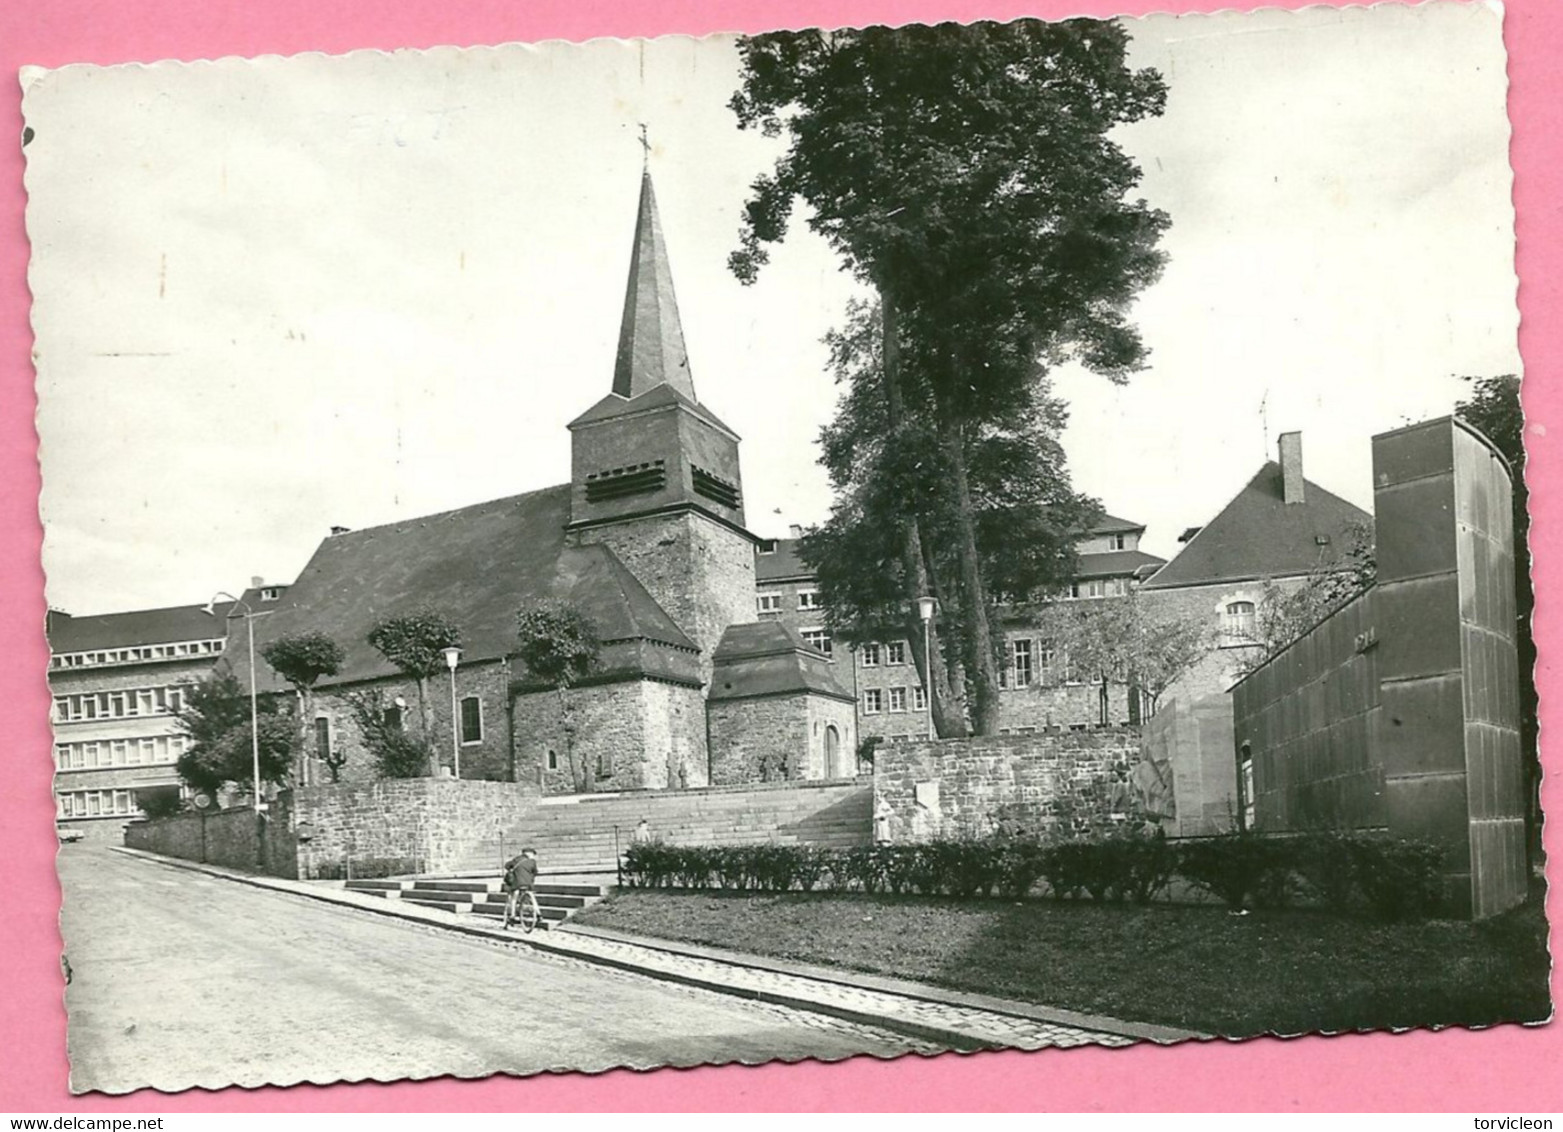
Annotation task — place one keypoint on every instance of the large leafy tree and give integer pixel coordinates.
(560, 647)
(302, 659)
(1494, 408)
(967, 174)
(415, 643)
(215, 715)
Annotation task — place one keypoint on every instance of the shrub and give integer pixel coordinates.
(1238, 869)
(1397, 879)
(1020, 866)
(160, 801)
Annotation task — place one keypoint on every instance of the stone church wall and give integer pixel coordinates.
(631, 735)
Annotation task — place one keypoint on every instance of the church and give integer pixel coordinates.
(648, 541)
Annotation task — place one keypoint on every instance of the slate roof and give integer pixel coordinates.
(782, 563)
(617, 405)
(1111, 525)
(1259, 535)
(651, 338)
(477, 565)
(1115, 563)
(138, 627)
(767, 658)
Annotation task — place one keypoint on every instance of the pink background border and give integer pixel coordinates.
(1508, 1070)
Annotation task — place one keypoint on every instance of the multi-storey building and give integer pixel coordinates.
(1039, 687)
(117, 680)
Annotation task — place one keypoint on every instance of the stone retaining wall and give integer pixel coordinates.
(1048, 782)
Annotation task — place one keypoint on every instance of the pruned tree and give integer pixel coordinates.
(1285, 613)
(396, 754)
(1125, 640)
(215, 715)
(302, 659)
(560, 647)
(415, 644)
(968, 175)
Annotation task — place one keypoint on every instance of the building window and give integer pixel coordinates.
(895, 652)
(1022, 657)
(472, 720)
(323, 737)
(553, 760)
(809, 599)
(1096, 587)
(817, 639)
(1115, 541)
(870, 655)
(768, 546)
(270, 593)
(873, 701)
(393, 717)
(919, 699)
(1237, 621)
(768, 603)
(897, 699)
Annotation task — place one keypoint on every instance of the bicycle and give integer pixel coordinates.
(528, 914)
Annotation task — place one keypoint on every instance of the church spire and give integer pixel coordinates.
(651, 339)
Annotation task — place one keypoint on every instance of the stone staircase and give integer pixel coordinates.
(483, 896)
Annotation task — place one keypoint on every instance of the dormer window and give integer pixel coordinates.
(768, 546)
(270, 593)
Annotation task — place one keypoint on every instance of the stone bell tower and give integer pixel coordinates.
(654, 473)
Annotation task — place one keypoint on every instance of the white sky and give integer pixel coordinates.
(272, 297)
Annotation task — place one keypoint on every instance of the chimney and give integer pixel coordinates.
(796, 530)
(256, 581)
(1291, 467)
(340, 530)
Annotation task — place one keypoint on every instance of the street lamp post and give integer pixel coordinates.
(249, 624)
(925, 608)
(452, 658)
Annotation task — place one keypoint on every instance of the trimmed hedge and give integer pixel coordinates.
(1345, 873)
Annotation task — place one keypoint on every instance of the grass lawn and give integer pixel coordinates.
(1191, 966)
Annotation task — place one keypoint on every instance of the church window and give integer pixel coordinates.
(322, 737)
(870, 655)
(472, 720)
(873, 701)
(553, 760)
(817, 639)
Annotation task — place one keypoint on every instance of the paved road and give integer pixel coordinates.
(182, 980)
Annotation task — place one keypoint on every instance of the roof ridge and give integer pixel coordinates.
(467, 509)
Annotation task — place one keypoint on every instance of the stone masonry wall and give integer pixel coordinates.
(1047, 783)
(489, 758)
(633, 735)
(780, 738)
(700, 572)
(226, 837)
(398, 825)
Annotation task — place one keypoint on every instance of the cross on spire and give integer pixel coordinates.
(644, 143)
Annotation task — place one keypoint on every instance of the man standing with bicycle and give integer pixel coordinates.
(520, 902)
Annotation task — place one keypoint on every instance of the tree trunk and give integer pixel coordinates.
(949, 713)
(981, 673)
(579, 771)
(301, 770)
(428, 727)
